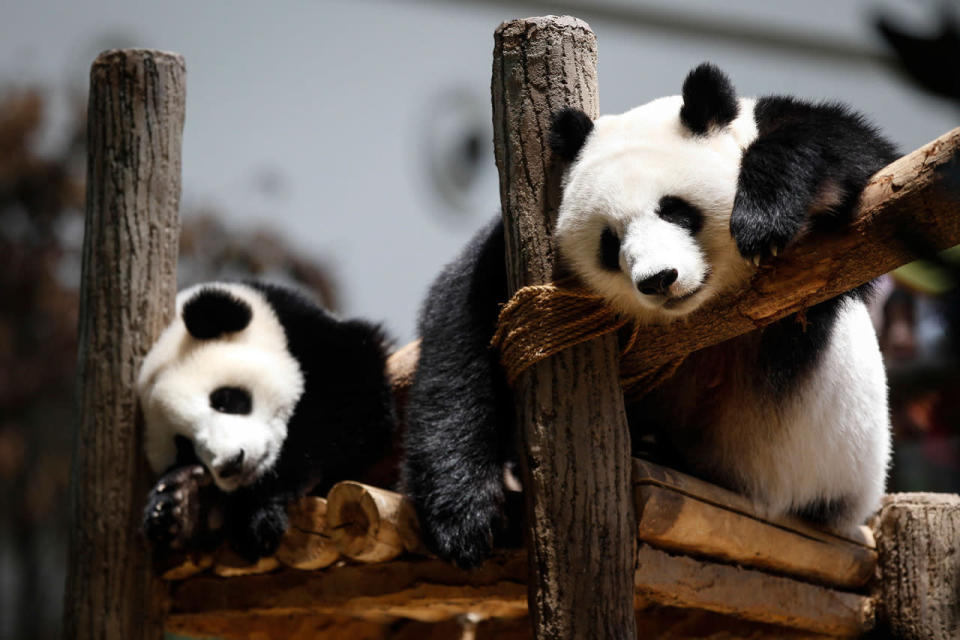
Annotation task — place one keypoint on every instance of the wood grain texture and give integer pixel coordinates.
(680, 581)
(681, 513)
(427, 590)
(910, 198)
(648, 473)
(432, 591)
(128, 286)
(677, 522)
(369, 524)
(918, 537)
(576, 463)
(307, 544)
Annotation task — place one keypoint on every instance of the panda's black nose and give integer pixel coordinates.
(658, 283)
(231, 467)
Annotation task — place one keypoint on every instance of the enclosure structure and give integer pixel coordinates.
(664, 555)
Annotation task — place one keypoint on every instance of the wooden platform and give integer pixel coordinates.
(700, 548)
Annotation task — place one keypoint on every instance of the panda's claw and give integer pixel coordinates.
(173, 516)
(774, 250)
(756, 260)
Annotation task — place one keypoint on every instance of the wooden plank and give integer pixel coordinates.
(431, 590)
(657, 623)
(671, 520)
(427, 590)
(648, 473)
(575, 442)
(752, 595)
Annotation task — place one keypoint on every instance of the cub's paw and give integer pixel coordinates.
(260, 533)
(761, 235)
(175, 513)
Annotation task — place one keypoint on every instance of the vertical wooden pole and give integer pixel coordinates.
(128, 285)
(569, 407)
(918, 542)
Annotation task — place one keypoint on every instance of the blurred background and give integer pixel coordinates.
(346, 146)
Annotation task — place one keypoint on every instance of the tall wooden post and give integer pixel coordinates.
(569, 407)
(128, 285)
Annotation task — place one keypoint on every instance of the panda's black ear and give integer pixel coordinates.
(212, 312)
(569, 129)
(709, 99)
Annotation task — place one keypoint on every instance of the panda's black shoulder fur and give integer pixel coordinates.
(346, 410)
(802, 150)
(459, 417)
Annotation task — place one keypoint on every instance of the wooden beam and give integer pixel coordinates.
(680, 581)
(420, 589)
(918, 537)
(576, 447)
(680, 513)
(127, 291)
(431, 590)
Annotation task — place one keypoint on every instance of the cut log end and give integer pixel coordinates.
(369, 524)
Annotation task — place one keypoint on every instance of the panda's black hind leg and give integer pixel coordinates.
(179, 509)
(459, 414)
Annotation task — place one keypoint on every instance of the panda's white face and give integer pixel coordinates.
(231, 396)
(645, 214)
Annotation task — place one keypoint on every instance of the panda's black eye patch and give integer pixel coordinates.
(681, 213)
(610, 249)
(232, 400)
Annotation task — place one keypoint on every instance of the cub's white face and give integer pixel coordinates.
(645, 214)
(231, 396)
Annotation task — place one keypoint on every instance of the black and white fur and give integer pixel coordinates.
(664, 207)
(252, 397)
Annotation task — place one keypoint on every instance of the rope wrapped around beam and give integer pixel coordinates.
(542, 320)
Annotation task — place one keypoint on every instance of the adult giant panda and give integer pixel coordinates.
(252, 397)
(664, 207)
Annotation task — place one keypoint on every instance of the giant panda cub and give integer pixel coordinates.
(252, 397)
(663, 208)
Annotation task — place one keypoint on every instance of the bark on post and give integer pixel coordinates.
(570, 408)
(918, 540)
(135, 122)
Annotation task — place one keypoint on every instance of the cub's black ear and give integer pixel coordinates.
(211, 313)
(709, 99)
(569, 129)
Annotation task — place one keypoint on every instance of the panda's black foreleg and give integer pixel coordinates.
(459, 414)
(808, 164)
(183, 510)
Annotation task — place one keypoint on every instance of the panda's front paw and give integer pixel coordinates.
(261, 532)
(759, 234)
(175, 511)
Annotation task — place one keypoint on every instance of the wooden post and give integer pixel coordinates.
(128, 285)
(918, 540)
(569, 407)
